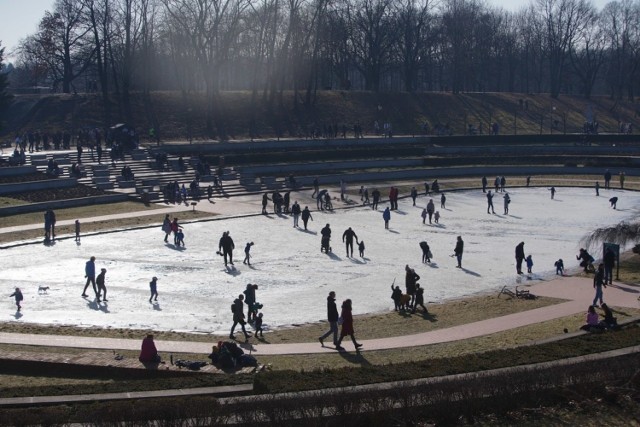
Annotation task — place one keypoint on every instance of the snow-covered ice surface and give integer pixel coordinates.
(196, 291)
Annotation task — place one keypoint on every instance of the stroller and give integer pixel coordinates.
(324, 244)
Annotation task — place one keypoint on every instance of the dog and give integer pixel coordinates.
(405, 299)
(43, 289)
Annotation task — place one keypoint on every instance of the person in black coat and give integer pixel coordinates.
(227, 246)
(410, 281)
(519, 257)
(376, 197)
(609, 261)
(306, 215)
(348, 237)
(459, 249)
(484, 184)
(332, 318)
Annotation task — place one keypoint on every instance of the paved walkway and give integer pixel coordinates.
(578, 292)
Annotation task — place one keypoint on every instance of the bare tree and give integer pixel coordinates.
(588, 54)
(562, 21)
(62, 43)
(621, 24)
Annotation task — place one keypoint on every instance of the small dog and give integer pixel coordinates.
(43, 289)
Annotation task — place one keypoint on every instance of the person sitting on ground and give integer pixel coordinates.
(149, 353)
(592, 320)
(609, 321)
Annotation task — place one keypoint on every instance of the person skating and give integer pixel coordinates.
(226, 246)
(77, 230)
(386, 216)
(347, 325)
(607, 179)
(366, 197)
(361, 248)
(238, 317)
(597, 188)
(325, 239)
(443, 201)
(490, 202)
(102, 287)
(410, 280)
(90, 274)
(519, 257)
(529, 261)
(258, 326)
(306, 216)
(458, 251)
(265, 202)
(316, 187)
(247, 255)
(613, 201)
(17, 295)
(295, 211)
(332, 318)
(484, 184)
(430, 209)
(414, 195)
(250, 299)
(507, 200)
(153, 288)
(174, 230)
(553, 192)
(426, 252)
(598, 284)
(347, 239)
(375, 194)
(559, 265)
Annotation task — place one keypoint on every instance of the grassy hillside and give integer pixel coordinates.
(177, 118)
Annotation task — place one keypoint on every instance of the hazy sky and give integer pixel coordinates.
(19, 18)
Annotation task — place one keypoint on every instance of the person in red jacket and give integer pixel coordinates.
(347, 325)
(149, 353)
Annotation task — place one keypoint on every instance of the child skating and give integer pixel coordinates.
(436, 217)
(180, 237)
(247, 255)
(361, 248)
(77, 230)
(529, 261)
(258, 326)
(559, 264)
(17, 294)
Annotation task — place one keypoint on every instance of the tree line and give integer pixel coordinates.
(117, 47)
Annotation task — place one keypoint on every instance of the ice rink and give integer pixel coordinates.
(196, 290)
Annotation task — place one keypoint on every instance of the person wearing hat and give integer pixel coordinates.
(102, 288)
(153, 286)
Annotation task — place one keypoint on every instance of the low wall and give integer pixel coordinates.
(25, 187)
(63, 204)
(436, 173)
(285, 169)
(17, 170)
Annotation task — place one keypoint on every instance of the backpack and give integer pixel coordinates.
(233, 308)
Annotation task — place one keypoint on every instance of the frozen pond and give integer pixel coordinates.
(294, 278)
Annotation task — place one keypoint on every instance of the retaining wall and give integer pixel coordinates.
(62, 204)
(25, 187)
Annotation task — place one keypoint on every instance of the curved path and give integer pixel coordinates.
(577, 291)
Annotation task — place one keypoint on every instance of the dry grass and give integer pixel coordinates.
(448, 314)
(91, 227)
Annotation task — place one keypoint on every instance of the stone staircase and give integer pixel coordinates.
(148, 177)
